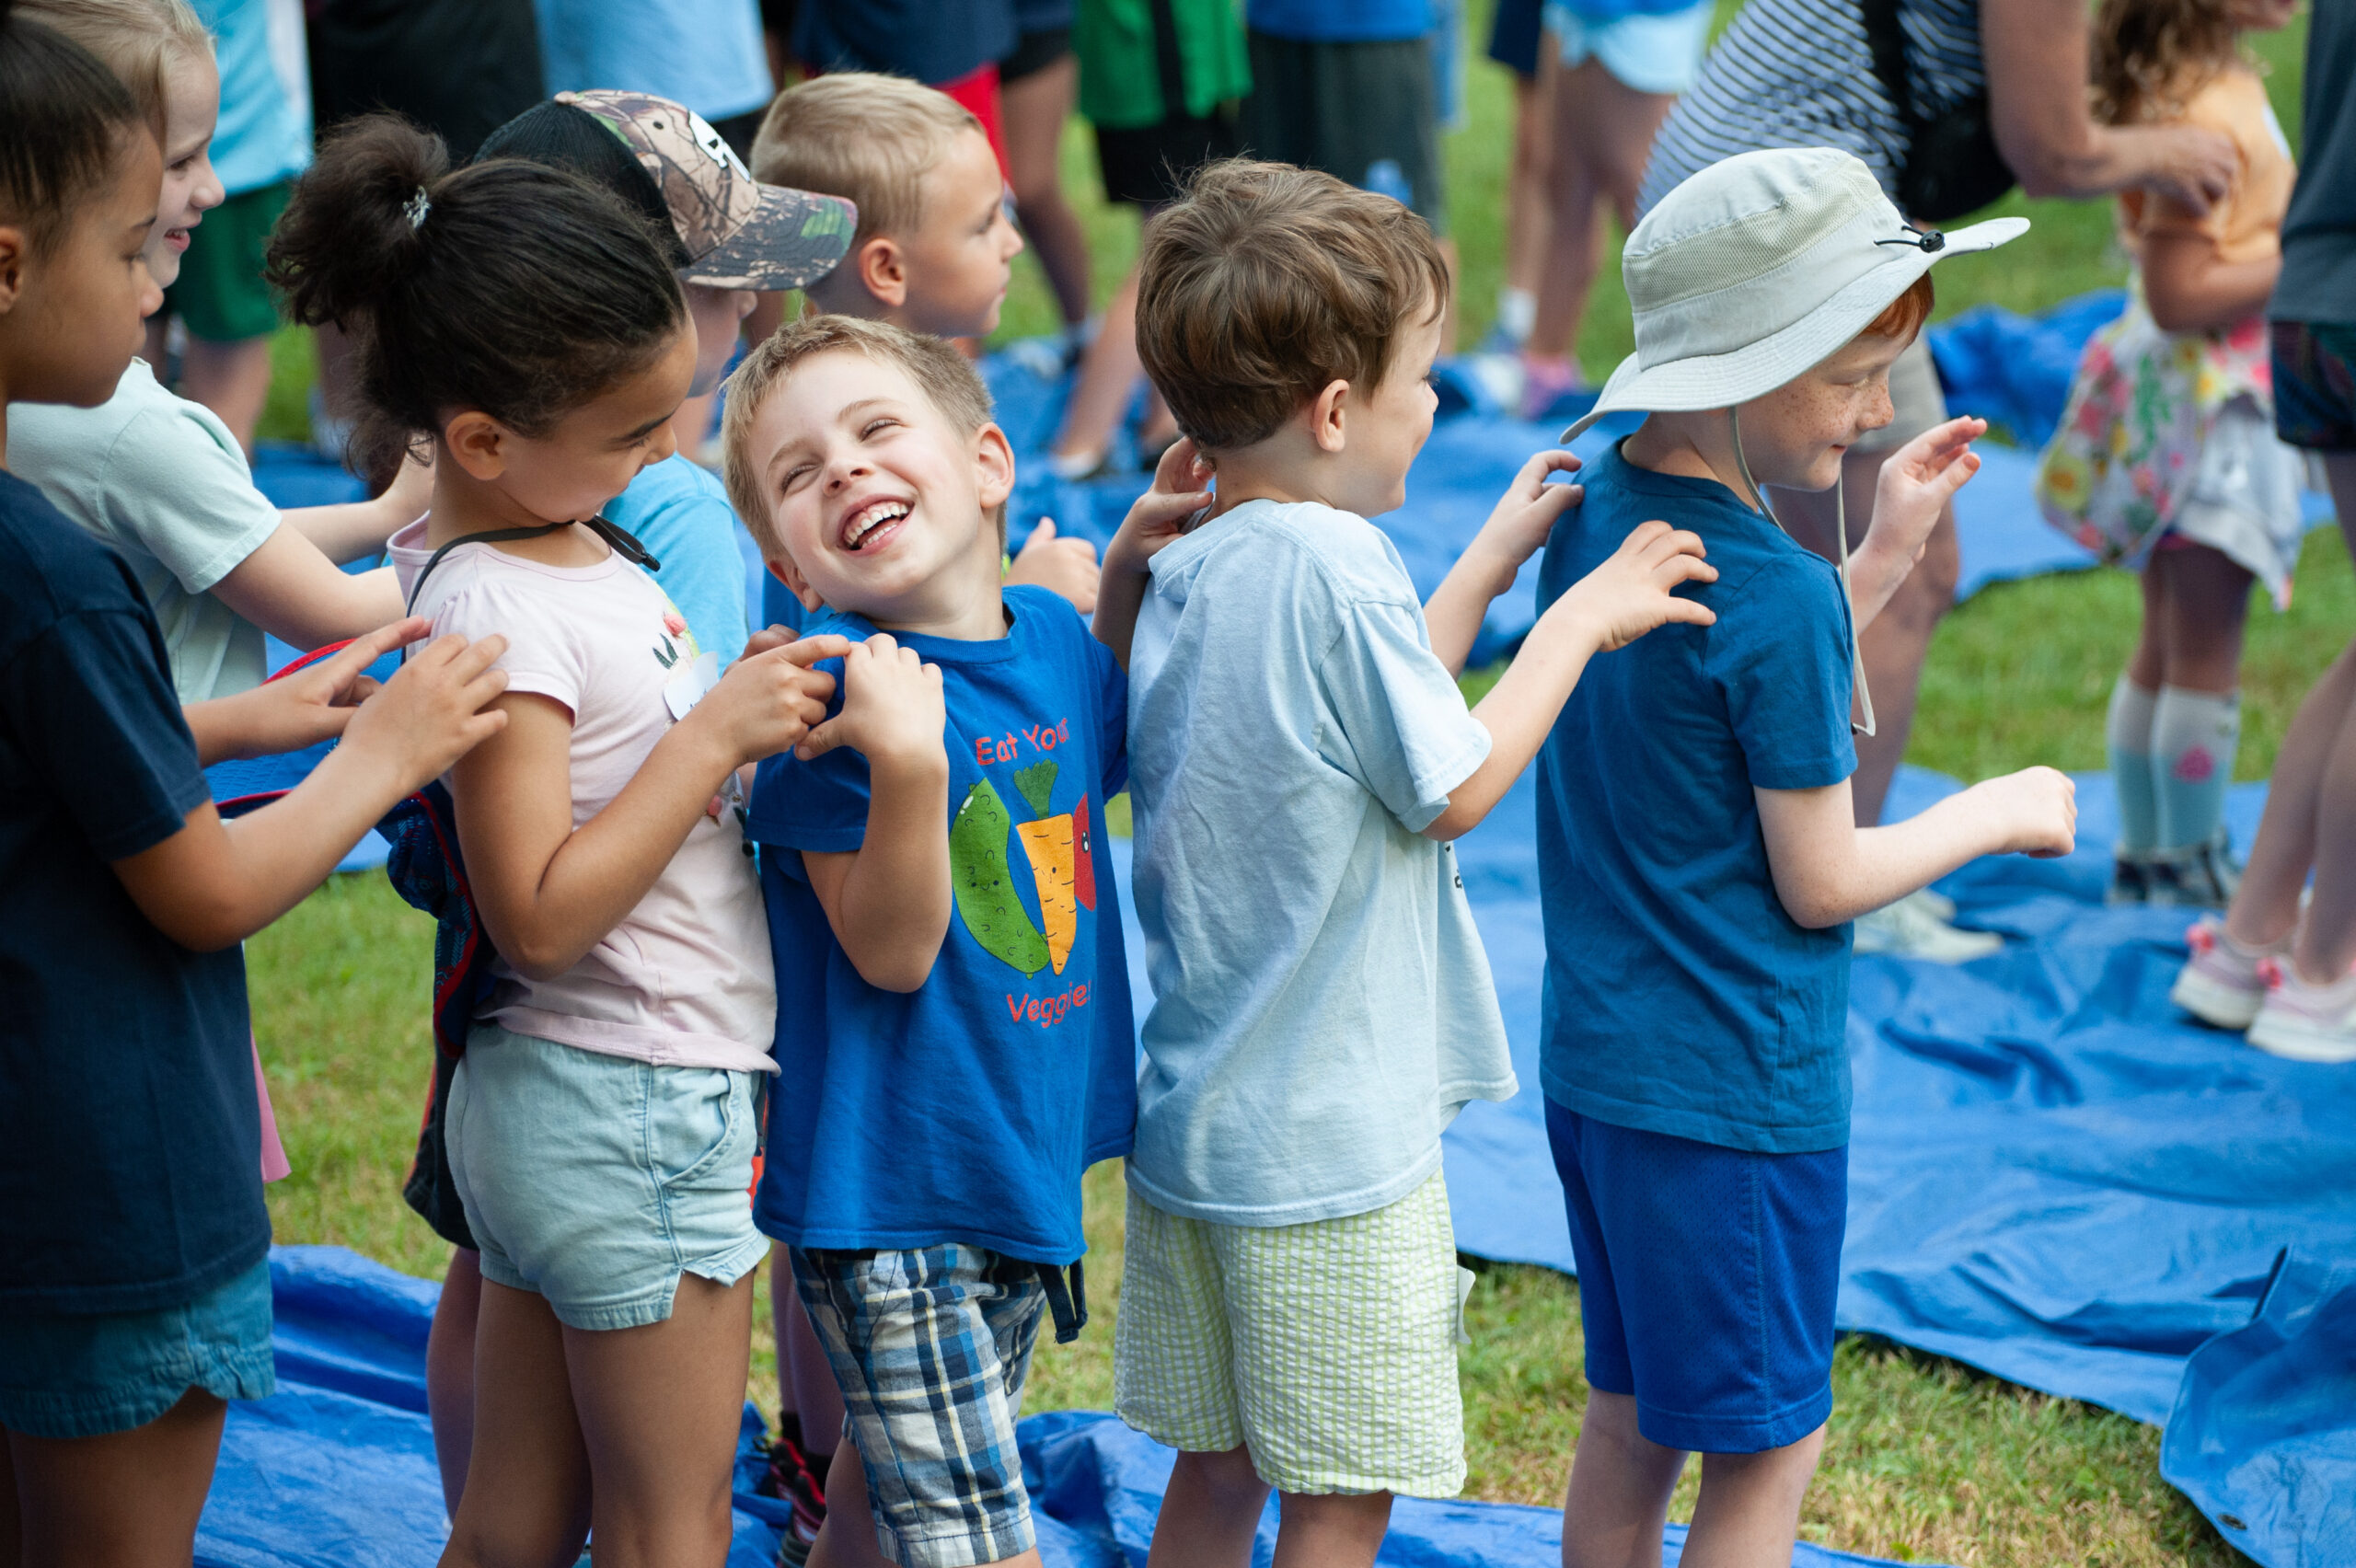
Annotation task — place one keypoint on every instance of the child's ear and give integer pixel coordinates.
(478, 443)
(13, 249)
(882, 271)
(1326, 416)
(993, 465)
(785, 571)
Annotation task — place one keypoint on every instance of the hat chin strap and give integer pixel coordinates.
(1841, 533)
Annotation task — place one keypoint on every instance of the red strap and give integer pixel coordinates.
(307, 659)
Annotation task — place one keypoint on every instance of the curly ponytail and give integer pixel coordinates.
(510, 287)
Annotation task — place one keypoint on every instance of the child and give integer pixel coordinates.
(601, 1125)
(160, 478)
(1698, 857)
(2166, 456)
(135, 1289)
(1302, 759)
(965, 1044)
(934, 251)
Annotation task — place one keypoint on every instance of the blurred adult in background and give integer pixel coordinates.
(1611, 68)
(1036, 87)
(707, 54)
(457, 67)
(954, 45)
(1347, 87)
(1159, 81)
(1513, 43)
(262, 143)
(1950, 103)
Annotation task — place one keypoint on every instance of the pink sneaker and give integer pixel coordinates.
(2304, 1022)
(2222, 984)
(1546, 380)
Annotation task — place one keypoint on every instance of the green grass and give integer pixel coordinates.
(1926, 1460)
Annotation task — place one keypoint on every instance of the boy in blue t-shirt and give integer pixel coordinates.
(959, 1046)
(1698, 860)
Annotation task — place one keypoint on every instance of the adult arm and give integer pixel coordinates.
(2034, 52)
(1828, 869)
(888, 901)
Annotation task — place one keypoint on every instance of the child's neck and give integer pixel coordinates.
(1287, 471)
(465, 506)
(965, 602)
(843, 293)
(1694, 446)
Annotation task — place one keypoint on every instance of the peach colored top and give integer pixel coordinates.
(2246, 226)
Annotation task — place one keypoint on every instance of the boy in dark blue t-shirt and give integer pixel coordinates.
(1699, 862)
(954, 1045)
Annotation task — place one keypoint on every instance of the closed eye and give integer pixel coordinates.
(867, 430)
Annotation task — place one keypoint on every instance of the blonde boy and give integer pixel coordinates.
(1301, 758)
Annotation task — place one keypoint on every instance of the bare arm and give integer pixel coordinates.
(549, 893)
(2191, 289)
(1828, 870)
(1158, 518)
(2036, 56)
(888, 900)
(312, 705)
(292, 591)
(1916, 484)
(1515, 530)
(1610, 607)
(215, 882)
(359, 528)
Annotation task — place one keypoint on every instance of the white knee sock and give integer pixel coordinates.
(2129, 733)
(2194, 736)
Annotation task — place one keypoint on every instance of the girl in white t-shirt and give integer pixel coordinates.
(601, 1125)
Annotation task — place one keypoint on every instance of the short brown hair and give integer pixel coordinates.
(1904, 316)
(1265, 283)
(862, 136)
(946, 377)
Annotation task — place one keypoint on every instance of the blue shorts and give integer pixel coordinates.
(597, 1181)
(1649, 52)
(84, 1374)
(1706, 1280)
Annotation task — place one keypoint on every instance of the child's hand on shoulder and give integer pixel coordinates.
(1525, 514)
(311, 705)
(2034, 812)
(434, 710)
(1917, 481)
(1631, 592)
(1065, 566)
(768, 700)
(1159, 516)
(893, 711)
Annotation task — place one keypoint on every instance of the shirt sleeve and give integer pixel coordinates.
(544, 657)
(91, 703)
(178, 484)
(1399, 726)
(1781, 655)
(818, 805)
(1113, 717)
(693, 533)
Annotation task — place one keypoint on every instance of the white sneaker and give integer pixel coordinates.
(2304, 1022)
(1938, 903)
(2222, 983)
(1909, 929)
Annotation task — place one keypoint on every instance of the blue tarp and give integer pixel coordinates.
(335, 1469)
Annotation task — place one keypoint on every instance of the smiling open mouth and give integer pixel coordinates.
(870, 523)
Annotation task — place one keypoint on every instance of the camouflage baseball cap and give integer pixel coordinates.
(738, 233)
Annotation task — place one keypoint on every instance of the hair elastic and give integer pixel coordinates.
(418, 206)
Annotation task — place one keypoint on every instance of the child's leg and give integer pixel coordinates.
(2127, 727)
(527, 1495)
(2196, 723)
(450, 1372)
(129, 1498)
(660, 1409)
(1617, 1504)
(1331, 1529)
(1209, 1512)
(1749, 1510)
(803, 1372)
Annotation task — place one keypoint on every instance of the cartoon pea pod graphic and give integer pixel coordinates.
(987, 899)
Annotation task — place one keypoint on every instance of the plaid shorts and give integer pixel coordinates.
(2315, 386)
(931, 1347)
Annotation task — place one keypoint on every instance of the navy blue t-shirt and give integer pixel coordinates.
(966, 1110)
(932, 42)
(1680, 997)
(130, 1137)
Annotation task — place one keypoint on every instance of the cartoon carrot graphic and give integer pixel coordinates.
(1048, 843)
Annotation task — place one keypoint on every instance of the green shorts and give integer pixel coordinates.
(220, 293)
(1328, 1349)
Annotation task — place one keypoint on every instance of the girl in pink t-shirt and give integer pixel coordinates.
(601, 1125)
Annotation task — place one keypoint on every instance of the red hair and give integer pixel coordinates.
(1905, 315)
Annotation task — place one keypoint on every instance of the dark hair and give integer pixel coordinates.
(562, 135)
(67, 118)
(506, 286)
(1267, 281)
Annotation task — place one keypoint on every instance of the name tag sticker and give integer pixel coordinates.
(687, 688)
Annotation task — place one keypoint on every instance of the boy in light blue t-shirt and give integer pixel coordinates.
(1301, 758)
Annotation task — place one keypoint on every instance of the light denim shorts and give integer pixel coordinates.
(1651, 52)
(598, 1181)
(85, 1374)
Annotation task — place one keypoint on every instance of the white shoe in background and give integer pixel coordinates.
(1911, 928)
